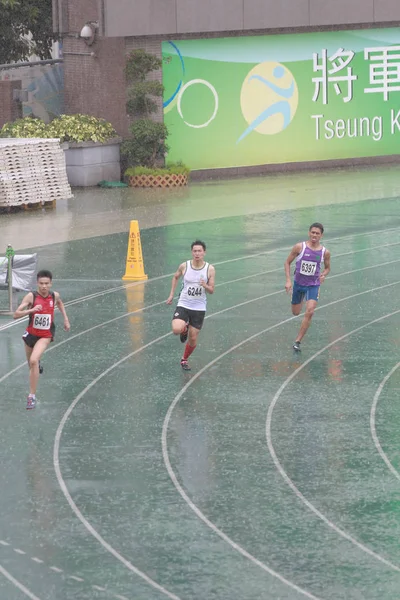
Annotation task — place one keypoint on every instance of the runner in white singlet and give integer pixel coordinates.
(198, 281)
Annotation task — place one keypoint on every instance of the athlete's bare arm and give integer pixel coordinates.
(25, 308)
(295, 251)
(327, 265)
(175, 278)
(61, 308)
(210, 284)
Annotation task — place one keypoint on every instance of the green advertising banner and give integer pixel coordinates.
(241, 101)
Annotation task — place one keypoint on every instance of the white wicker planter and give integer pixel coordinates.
(91, 162)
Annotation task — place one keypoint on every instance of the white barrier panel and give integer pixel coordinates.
(24, 268)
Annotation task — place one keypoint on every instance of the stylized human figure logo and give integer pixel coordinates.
(268, 99)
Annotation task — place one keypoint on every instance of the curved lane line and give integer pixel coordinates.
(181, 491)
(281, 470)
(71, 338)
(273, 251)
(373, 424)
(60, 428)
(17, 584)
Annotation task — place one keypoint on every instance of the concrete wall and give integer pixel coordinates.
(95, 84)
(163, 17)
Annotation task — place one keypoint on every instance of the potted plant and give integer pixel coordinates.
(145, 150)
(91, 145)
(172, 175)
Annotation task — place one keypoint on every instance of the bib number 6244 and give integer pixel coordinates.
(194, 291)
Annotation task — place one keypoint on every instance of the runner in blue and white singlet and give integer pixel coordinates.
(309, 257)
(198, 281)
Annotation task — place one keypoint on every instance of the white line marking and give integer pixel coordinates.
(160, 277)
(95, 381)
(171, 472)
(154, 341)
(17, 584)
(118, 597)
(105, 323)
(277, 463)
(56, 570)
(373, 424)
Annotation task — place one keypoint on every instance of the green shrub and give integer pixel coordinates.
(147, 143)
(28, 127)
(171, 168)
(68, 128)
(81, 128)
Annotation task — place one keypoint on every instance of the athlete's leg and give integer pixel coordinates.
(180, 322)
(297, 299)
(28, 352)
(178, 326)
(308, 315)
(190, 347)
(34, 358)
(296, 308)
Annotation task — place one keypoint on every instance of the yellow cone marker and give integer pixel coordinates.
(134, 270)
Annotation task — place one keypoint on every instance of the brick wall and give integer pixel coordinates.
(96, 84)
(9, 109)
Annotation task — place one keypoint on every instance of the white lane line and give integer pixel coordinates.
(139, 310)
(58, 570)
(281, 470)
(118, 597)
(160, 277)
(38, 560)
(173, 476)
(17, 584)
(56, 452)
(373, 423)
(93, 383)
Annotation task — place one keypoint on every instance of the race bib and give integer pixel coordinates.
(308, 267)
(195, 291)
(42, 321)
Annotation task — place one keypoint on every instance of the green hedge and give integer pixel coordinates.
(68, 128)
(171, 168)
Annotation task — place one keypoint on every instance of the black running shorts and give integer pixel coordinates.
(195, 318)
(30, 340)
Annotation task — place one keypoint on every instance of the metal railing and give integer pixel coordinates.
(33, 63)
(9, 256)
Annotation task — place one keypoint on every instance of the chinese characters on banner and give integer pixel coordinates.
(384, 72)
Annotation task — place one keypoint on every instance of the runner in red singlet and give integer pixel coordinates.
(39, 307)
